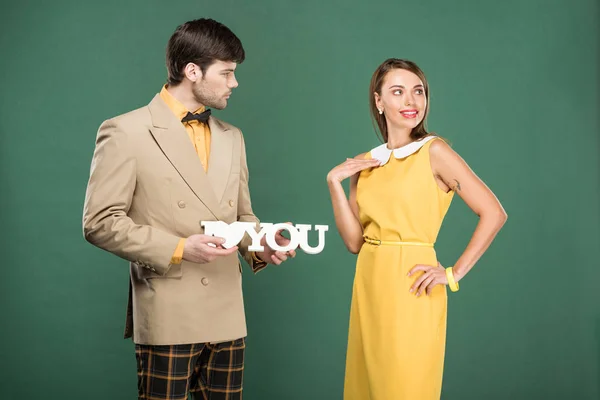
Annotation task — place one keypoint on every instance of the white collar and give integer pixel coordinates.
(382, 153)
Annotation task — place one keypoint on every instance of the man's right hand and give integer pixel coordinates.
(197, 249)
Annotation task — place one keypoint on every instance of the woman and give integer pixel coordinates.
(399, 195)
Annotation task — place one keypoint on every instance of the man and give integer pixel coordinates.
(156, 173)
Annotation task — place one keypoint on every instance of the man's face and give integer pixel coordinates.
(215, 86)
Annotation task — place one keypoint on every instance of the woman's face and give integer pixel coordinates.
(402, 99)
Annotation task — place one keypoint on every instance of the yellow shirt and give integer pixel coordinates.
(198, 132)
(199, 135)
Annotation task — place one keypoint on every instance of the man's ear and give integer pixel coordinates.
(192, 72)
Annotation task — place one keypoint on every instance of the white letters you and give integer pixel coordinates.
(234, 233)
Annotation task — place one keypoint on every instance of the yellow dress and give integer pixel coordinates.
(396, 340)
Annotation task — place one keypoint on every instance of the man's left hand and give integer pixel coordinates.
(272, 256)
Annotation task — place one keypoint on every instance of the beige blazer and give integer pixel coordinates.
(147, 189)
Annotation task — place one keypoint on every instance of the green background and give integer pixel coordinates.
(514, 86)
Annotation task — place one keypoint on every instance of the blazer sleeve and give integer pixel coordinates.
(108, 198)
(244, 212)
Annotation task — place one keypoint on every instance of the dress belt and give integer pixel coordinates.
(378, 242)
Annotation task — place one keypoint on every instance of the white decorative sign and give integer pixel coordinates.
(233, 234)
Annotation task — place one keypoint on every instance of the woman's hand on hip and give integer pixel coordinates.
(430, 277)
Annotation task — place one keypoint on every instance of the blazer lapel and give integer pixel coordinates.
(173, 140)
(219, 160)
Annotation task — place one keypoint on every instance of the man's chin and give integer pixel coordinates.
(220, 106)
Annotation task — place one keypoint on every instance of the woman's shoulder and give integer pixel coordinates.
(439, 146)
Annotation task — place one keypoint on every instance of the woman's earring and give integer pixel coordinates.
(380, 111)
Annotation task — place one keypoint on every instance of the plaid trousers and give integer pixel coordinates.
(208, 371)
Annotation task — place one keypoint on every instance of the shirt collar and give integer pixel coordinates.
(175, 105)
(383, 154)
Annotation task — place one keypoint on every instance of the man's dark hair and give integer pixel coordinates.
(202, 42)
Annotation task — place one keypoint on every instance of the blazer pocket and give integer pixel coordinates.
(174, 272)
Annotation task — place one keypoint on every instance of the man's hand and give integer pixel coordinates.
(197, 249)
(275, 257)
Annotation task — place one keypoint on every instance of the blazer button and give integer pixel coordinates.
(231, 203)
(181, 204)
(204, 281)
